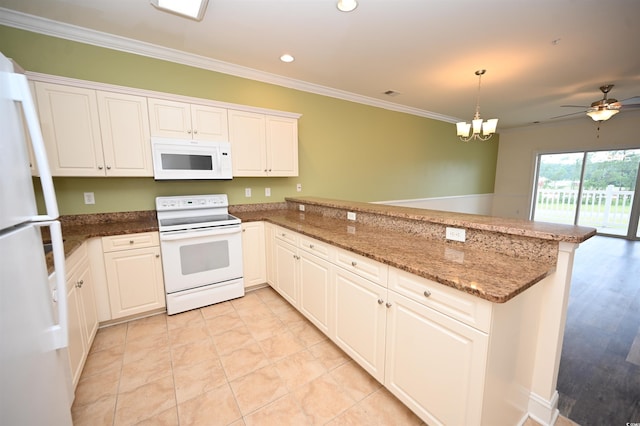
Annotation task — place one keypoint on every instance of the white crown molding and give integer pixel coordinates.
(48, 27)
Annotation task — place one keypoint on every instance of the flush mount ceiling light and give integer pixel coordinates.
(467, 132)
(347, 5)
(193, 9)
(287, 58)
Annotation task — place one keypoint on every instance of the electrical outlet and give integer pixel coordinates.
(301, 207)
(299, 187)
(247, 192)
(351, 216)
(455, 234)
(89, 198)
(267, 192)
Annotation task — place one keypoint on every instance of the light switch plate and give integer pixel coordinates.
(351, 216)
(247, 192)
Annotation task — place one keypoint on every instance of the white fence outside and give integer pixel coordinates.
(606, 210)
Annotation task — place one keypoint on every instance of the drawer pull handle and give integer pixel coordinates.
(389, 304)
(310, 246)
(130, 241)
(427, 293)
(380, 301)
(157, 255)
(354, 263)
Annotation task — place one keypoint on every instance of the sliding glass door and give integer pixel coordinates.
(592, 188)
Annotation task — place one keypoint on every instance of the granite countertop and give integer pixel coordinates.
(77, 229)
(507, 226)
(491, 276)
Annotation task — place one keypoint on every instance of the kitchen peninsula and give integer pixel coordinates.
(473, 329)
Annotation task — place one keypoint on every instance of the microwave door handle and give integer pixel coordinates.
(219, 160)
(184, 235)
(19, 91)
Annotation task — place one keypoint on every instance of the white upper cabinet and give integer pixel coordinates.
(263, 145)
(94, 133)
(124, 126)
(171, 119)
(71, 129)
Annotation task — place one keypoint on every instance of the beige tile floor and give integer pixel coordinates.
(250, 361)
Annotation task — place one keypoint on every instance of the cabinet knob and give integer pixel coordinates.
(157, 255)
(427, 293)
(310, 246)
(380, 301)
(195, 131)
(100, 167)
(388, 304)
(79, 283)
(265, 170)
(189, 131)
(108, 167)
(354, 263)
(130, 241)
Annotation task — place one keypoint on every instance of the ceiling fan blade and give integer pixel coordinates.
(574, 106)
(630, 101)
(568, 115)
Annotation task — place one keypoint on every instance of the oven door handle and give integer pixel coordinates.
(197, 233)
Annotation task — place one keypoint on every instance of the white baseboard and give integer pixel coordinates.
(481, 204)
(543, 411)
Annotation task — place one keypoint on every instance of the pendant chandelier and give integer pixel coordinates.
(477, 129)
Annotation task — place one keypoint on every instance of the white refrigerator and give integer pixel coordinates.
(35, 377)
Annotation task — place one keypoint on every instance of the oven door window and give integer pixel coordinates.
(186, 162)
(196, 258)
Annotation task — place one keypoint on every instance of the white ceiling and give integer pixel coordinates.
(539, 54)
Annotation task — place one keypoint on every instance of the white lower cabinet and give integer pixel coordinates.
(434, 364)
(81, 308)
(134, 273)
(452, 358)
(315, 292)
(360, 320)
(253, 254)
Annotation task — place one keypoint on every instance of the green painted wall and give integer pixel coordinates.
(346, 150)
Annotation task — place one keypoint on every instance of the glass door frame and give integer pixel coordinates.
(633, 229)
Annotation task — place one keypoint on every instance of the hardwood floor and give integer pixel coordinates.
(599, 379)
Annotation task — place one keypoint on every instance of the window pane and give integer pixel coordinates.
(608, 190)
(557, 187)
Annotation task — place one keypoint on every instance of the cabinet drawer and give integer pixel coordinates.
(363, 266)
(285, 235)
(130, 241)
(315, 247)
(469, 309)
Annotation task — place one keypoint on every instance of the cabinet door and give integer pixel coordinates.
(282, 146)
(253, 254)
(209, 123)
(87, 295)
(435, 364)
(270, 244)
(169, 119)
(126, 141)
(134, 278)
(77, 347)
(315, 290)
(71, 129)
(286, 264)
(247, 137)
(360, 316)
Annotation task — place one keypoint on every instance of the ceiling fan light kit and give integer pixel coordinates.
(477, 129)
(347, 5)
(604, 114)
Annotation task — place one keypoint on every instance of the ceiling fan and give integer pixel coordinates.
(605, 108)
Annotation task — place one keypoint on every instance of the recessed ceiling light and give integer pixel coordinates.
(287, 58)
(347, 5)
(193, 9)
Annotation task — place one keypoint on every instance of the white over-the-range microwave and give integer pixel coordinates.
(190, 159)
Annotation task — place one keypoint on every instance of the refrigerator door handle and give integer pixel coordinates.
(59, 332)
(19, 91)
